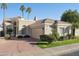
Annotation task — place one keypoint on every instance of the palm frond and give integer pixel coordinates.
(3, 6)
(29, 10)
(22, 8)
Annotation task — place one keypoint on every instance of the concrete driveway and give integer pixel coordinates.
(27, 47)
(19, 47)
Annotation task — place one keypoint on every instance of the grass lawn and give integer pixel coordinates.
(57, 43)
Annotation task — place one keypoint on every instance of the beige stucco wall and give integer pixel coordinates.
(24, 24)
(1, 29)
(77, 32)
(8, 24)
(36, 29)
(48, 29)
(59, 26)
(48, 26)
(36, 33)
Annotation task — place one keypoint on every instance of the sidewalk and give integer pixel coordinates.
(57, 51)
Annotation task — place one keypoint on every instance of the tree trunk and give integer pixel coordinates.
(28, 16)
(73, 32)
(22, 14)
(4, 29)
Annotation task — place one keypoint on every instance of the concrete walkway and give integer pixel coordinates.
(27, 48)
(61, 50)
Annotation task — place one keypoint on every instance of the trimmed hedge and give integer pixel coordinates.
(46, 38)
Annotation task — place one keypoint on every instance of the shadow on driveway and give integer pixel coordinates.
(31, 41)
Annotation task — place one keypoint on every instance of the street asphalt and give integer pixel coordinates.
(76, 53)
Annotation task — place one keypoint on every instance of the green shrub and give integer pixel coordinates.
(63, 38)
(46, 38)
(9, 31)
(54, 36)
(49, 38)
(70, 36)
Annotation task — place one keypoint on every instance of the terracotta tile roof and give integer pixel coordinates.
(52, 20)
(62, 22)
(47, 20)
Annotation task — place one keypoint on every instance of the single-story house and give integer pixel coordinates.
(35, 28)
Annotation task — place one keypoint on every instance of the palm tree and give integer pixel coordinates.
(28, 10)
(22, 8)
(4, 8)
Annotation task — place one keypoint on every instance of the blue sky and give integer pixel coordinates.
(41, 10)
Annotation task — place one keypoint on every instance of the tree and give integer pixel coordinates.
(35, 18)
(55, 34)
(22, 8)
(71, 17)
(28, 10)
(4, 8)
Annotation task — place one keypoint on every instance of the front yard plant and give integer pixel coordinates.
(57, 43)
(54, 40)
(9, 32)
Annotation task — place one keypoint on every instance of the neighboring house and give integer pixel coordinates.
(35, 28)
